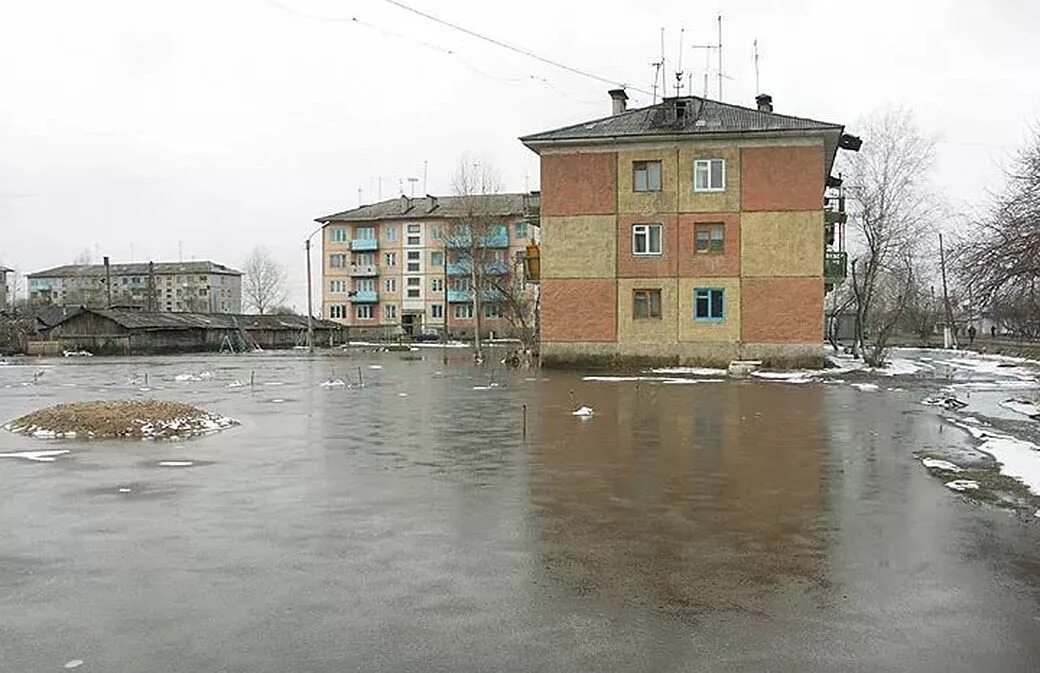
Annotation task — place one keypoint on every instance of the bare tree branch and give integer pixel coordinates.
(264, 284)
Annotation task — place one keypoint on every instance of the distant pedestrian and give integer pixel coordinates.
(993, 331)
(971, 335)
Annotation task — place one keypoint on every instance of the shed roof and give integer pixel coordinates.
(145, 320)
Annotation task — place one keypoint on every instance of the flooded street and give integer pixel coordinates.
(408, 525)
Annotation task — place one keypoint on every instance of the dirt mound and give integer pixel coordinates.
(133, 419)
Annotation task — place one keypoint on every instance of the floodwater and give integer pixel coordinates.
(408, 525)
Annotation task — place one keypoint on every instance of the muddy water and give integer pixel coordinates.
(408, 525)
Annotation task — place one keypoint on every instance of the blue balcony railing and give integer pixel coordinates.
(463, 296)
(499, 238)
(493, 268)
(365, 297)
(363, 244)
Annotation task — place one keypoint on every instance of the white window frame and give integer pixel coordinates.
(338, 235)
(706, 163)
(391, 258)
(437, 311)
(644, 229)
(390, 284)
(390, 311)
(463, 308)
(360, 309)
(338, 286)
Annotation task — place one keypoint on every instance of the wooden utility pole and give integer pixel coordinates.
(952, 338)
(108, 281)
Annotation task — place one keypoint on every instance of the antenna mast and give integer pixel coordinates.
(679, 70)
(720, 57)
(758, 89)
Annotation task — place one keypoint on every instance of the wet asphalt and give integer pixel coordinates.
(408, 525)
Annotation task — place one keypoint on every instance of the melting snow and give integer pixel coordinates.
(175, 463)
(1018, 458)
(689, 371)
(963, 485)
(937, 464)
(37, 456)
(332, 383)
(865, 386)
(803, 376)
(1025, 407)
(75, 663)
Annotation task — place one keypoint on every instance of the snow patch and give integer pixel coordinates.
(689, 371)
(1018, 458)
(333, 383)
(175, 463)
(36, 456)
(944, 465)
(963, 485)
(866, 387)
(1024, 407)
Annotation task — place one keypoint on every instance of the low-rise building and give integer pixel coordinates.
(3, 287)
(690, 231)
(164, 287)
(402, 265)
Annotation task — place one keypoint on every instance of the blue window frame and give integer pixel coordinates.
(709, 304)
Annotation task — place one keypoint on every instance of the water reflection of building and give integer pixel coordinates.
(677, 502)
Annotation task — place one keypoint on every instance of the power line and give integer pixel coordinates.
(510, 47)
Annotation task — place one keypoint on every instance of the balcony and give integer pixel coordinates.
(465, 296)
(363, 270)
(495, 268)
(364, 244)
(835, 266)
(364, 297)
(834, 210)
(499, 238)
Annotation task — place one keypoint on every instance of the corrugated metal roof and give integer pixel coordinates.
(136, 269)
(702, 117)
(142, 320)
(452, 207)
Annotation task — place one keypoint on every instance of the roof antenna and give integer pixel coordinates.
(720, 58)
(758, 89)
(679, 70)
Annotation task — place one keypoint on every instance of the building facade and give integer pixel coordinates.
(165, 287)
(399, 266)
(691, 231)
(3, 288)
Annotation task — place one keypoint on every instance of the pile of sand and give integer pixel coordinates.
(134, 419)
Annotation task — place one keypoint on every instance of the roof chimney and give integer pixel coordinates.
(618, 99)
(765, 102)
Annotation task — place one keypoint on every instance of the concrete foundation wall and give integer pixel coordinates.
(579, 354)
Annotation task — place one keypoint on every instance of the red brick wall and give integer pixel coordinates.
(579, 310)
(782, 178)
(693, 264)
(579, 184)
(647, 266)
(781, 310)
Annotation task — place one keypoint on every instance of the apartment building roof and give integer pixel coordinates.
(136, 269)
(687, 115)
(450, 207)
(4, 269)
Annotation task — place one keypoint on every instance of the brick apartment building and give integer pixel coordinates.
(164, 287)
(691, 231)
(398, 266)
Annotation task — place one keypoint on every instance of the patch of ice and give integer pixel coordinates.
(402, 394)
(1007, 384)
(948, 401)
(124, 490)
(175, 463)
(489, 386)
(77, 354)
(901, 367)
(333, 383)
(585, 412)
(866, 387)
(944, 465)
(992, 365)
(683, 381)
(75, 663)
(1024, 407)
(277, 400)
(963, 485)
(689, 371)
(375, 366)
(36, 456)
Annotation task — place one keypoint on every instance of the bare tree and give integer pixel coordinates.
(891, 211)
(520, 301)
(474, 184)
(998, 263)
(264, 282)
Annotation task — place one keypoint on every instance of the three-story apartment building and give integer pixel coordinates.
(165, 287)
(691, 231)
(400, 265)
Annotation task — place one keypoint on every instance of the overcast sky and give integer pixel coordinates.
(145, 130)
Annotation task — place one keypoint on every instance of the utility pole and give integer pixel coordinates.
(310, 300)
(949, 337)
